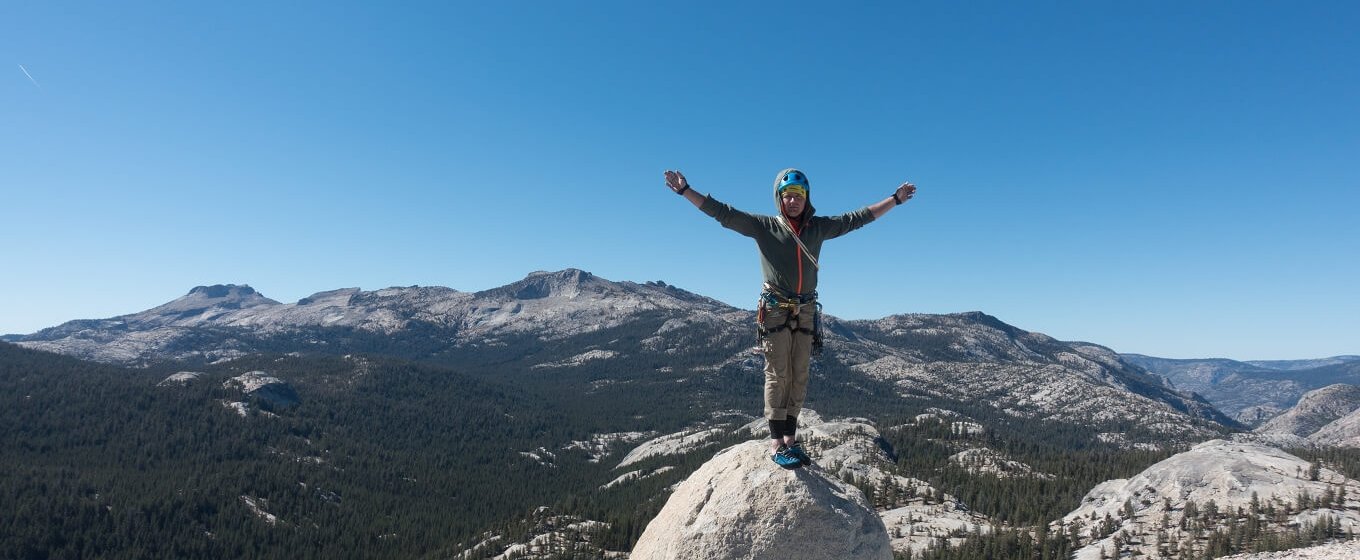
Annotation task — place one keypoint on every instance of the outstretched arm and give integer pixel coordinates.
(901, 195)
(677, 182)
(731, 218)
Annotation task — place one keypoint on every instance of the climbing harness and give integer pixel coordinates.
(772, 297)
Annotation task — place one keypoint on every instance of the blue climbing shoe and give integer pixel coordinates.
(783, 458)
(797, 451)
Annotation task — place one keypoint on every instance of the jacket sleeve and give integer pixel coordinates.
(835, 226)
(731, 218)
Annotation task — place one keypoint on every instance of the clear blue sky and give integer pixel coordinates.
(1168, 178)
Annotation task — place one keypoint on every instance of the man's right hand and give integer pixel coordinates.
(676, 181)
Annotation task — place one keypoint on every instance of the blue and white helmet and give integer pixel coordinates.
(792, 179)
(795, 180)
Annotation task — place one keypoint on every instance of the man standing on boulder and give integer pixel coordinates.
(787, 319)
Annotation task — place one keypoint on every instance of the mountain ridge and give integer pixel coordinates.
(559, 321)
(1251, 392)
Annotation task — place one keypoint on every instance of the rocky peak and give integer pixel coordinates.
(741, 505)
(230, 295)
(541, 284)
(971, 336)
(222, 291)
(201, 304)
(99, 339)
(1315, 409)
(332, 297)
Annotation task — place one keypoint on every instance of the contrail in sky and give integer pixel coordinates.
(30, 76)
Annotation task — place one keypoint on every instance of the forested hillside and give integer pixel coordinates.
(381, 459)
(390, 458)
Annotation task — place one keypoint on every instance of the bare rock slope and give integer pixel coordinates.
(1345, 550)
(1344, 432)
(739, 505)
(1152, 513)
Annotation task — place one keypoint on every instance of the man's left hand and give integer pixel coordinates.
(906, 191)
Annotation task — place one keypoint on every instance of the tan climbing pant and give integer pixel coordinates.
(788, 356)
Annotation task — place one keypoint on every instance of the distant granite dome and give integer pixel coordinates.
(1231, 474)
(740, 505)
(1315, 409)
(264, 387)
(541, 284)
(180, 379)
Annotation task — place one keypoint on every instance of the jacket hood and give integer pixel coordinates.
(808, 210)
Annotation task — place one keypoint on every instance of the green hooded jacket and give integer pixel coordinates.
(781, 260)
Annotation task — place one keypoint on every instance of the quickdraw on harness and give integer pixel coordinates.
(775, 298)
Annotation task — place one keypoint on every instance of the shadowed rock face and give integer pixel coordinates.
(740, 505)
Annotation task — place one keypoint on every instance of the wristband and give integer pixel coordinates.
(897, 200)
(682, 190)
